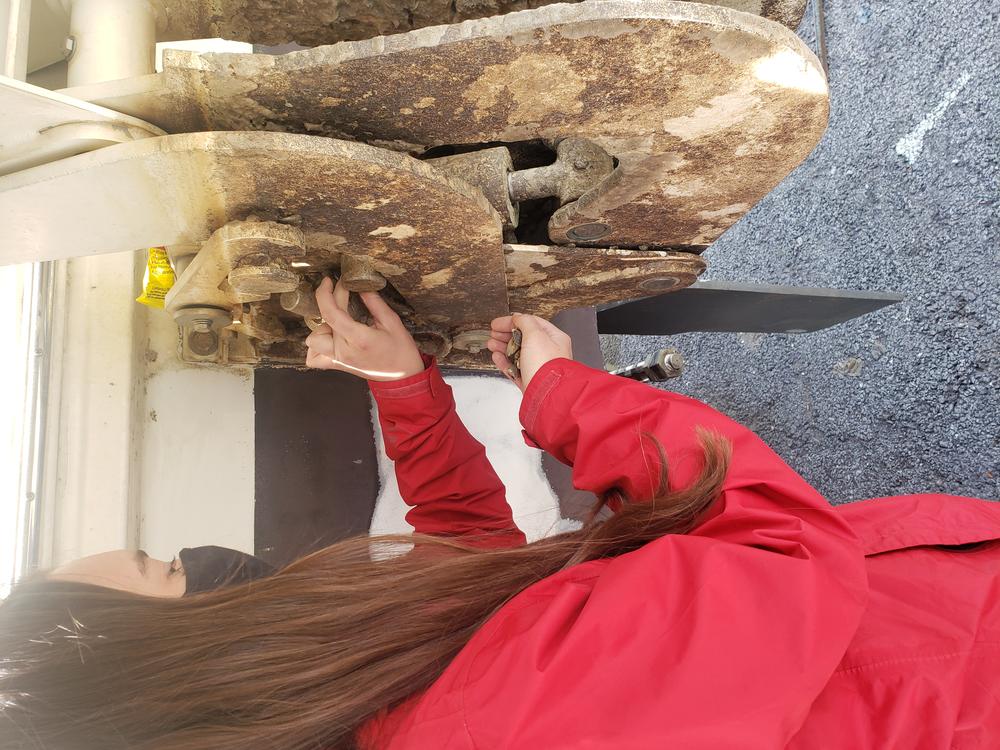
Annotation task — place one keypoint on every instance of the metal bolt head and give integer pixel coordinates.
(203, 343)
(432, 342)
(588, 232)
(358, 275)
(290, 300)
(364, 283)
(672, 365)
(255, 259)
(215, 317)
(659, 284)
(262, 280)
(471, 341)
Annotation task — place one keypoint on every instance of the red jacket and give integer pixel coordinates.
(780, 622)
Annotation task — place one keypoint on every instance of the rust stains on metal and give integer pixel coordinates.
(704, 108)
(256, 252)
(530, 87)
(489, 170)
(415, 221)
(318, 22)
(543, 280)
(359, 275)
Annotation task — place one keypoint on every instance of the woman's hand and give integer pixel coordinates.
(382, 351)
(540, 342)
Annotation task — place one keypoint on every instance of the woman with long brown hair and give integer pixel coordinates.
(723, 604)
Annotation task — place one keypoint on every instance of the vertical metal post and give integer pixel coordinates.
(14, 25)
(14, 20)
(36, 414)
(112, 39)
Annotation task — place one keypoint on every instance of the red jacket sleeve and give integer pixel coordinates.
(442, 470)
(721, 638)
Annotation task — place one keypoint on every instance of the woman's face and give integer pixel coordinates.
(126, 570)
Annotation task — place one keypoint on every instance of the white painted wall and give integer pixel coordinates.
(88, 492)
(197, 440)
(115, 476)
(16, 284)
(15, 16)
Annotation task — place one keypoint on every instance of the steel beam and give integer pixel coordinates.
(743, 308)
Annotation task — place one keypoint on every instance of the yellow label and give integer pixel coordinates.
(158, 279)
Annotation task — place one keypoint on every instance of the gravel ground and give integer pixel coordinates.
(901, 195)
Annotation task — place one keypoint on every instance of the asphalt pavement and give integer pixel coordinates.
(901, 195)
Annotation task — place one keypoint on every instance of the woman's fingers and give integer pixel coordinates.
(503, 324)
(528, 323)
(333, 314)
(322, 335)
(318, 361)
(342, 296)
(523, 321)
(503, 365)
(501, 362)
(533, 327)
(384, 315)
(548, 327)
(496, 345)
(321, 348)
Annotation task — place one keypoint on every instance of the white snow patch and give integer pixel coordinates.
(911, 145)
(488, 406)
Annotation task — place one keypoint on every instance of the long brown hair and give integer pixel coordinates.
(295, 661)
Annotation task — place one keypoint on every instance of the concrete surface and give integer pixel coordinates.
(901, 195)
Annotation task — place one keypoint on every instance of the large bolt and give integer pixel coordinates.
(673, 364)
(659, 284)
(203, 342)
(113, 39)
(200, 327)
(301, 301)
(488, 170)
(357, 309)
(429, 340)
(588, 232)
(262, 280)
(358, 275)
(471, 341)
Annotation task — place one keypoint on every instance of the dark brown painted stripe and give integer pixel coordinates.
(316, 471)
